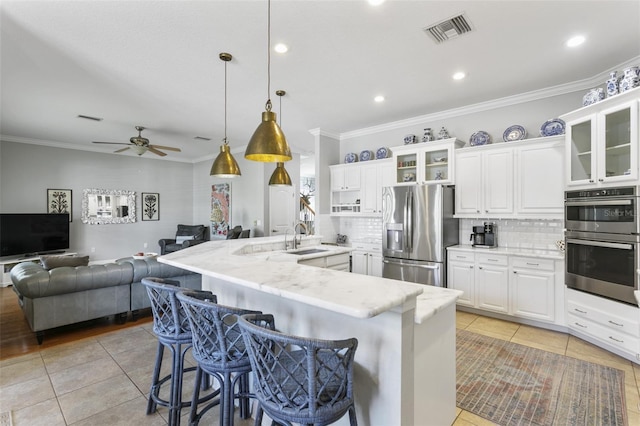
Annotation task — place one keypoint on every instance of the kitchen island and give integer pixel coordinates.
(405, 361)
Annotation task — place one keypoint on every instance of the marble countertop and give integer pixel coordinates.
(513, 251)
(250, 263)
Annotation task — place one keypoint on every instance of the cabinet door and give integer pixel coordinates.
(617, 136)
(540, 179)
(580, 140)
(497, 182)
(460, 276)
(352, 177)
(532, 294)
(359, 262)
(437, 165)
(371, 189)
(375, 265)
(492, 288)
(337, 178)
(468, 183)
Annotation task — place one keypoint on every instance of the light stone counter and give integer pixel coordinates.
(405, 361)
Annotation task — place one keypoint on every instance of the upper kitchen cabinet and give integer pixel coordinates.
(356, 188)
(484, 181)
(430, 162)
(522, 179)
(602, 142)
(374, 176)
(345, 177)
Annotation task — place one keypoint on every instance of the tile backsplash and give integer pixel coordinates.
(531, 233)
(518, 233)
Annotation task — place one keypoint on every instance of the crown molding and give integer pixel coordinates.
(534, 95)
(319, 132)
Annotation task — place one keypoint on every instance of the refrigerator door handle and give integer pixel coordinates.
(405, 221)
(413, 265)
(409, 221)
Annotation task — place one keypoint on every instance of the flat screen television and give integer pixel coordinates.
(33, 233)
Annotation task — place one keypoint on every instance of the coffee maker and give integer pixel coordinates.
(485, 235)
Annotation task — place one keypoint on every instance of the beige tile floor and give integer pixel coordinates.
(104, 380)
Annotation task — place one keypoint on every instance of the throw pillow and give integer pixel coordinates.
(182, 238)
(51, 262)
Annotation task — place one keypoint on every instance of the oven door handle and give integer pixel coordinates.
(598, 203)
(601, 244)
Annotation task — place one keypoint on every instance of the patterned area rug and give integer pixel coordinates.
(511, 384)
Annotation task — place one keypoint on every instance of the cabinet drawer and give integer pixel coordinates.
(492, 259)
(608, 320)
(605, 334)
(318, 262)
(460, 256)
(532, 263)
(337, 260)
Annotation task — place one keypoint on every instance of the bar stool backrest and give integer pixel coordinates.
(217, 339)
(300, 380)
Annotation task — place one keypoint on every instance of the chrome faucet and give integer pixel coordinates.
(301, 224)
(286, 247)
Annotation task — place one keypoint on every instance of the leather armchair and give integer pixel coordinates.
(186, 236)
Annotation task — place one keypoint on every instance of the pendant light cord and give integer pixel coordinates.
(268, 105)
(225, 104)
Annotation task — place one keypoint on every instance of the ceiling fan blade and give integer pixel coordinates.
(123, 149)
(155, 151)
(168, 148)
(113, 143)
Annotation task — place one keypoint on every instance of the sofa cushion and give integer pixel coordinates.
(182, 238)
(51, 262)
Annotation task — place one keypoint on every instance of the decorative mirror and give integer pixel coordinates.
(103, 206)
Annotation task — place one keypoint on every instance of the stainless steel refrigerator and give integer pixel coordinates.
(417, 226)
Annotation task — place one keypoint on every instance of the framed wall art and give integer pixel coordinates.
(59, 201)
(150, 206)
(220, 209)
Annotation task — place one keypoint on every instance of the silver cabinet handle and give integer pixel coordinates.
(533, 264)
(615, 323)
(580, 325)
(616, 340)
(578, 310)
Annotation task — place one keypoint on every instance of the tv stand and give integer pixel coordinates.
(7, 263)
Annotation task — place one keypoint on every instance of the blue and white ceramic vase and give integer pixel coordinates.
(630, 80)
(612, 84)
(427, 136)
(443, 134)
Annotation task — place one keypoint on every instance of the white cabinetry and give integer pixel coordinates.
(374, 176)
(521, 179)
(518, 286)
(492, 282)
(338, 262)
(533, 288)
(367, 259)
(430, 162)
(602, 142)
(484, 182)
(612, 325)
(356, 189)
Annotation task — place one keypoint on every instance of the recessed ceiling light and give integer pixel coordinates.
(281, 48)
(459, 75)
(379, 98)
(575, 41)
(375, 2)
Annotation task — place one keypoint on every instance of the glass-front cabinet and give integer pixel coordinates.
(430, 162)
(602, 142)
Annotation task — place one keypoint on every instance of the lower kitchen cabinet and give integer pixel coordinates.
(338, 262)
(524, 287)
(367, 259)
(612, 325)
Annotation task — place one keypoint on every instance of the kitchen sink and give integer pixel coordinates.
(307, 251)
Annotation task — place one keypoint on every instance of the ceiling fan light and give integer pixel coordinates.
(268, 143)
(225, 166)
(280, 177)
(139, 149)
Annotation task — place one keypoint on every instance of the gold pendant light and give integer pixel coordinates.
(280, 177)
(268, 143)
(225, 166)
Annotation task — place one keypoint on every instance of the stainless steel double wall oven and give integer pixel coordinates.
(603, 242)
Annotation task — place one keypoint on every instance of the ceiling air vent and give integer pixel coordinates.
(448, 29)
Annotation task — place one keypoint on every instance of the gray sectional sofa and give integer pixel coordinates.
(67, 295)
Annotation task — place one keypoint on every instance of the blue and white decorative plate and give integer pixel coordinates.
(552, 127)
(479, 138)
(382, 153)
(351, 157)
(514, 133)
(366, 155)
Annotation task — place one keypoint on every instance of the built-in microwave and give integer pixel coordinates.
(612, 210)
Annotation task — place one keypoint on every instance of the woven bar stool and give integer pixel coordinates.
(171, 327)
(297, 379)
(219, 349)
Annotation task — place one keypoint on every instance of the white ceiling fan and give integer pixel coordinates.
(141, 145)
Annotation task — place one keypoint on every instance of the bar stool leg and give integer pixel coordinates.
(155, 386)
